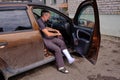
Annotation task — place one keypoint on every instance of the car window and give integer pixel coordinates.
(86, 17)
(55, 20)
(37, 12)
(14, 20)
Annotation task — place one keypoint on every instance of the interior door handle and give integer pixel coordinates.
(3, 44)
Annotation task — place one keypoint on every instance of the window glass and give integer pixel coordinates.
(55, 18)
(14, 20)
(37, 12)
(86, 17)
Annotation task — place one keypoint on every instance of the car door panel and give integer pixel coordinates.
(22, 49)
(83, 36)
(87, 30)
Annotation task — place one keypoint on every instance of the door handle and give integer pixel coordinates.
(3, 44)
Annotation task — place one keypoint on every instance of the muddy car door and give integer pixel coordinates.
(86, 31)
(20, 44)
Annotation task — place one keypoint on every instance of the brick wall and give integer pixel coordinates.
(72, 7)
(56, 6)
(109, 6)
(106, 7)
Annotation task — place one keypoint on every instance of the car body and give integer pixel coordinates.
(21, 44)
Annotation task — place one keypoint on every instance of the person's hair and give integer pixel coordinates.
(44, 12)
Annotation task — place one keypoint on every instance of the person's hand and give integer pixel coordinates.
(59, 34)
(57, 31)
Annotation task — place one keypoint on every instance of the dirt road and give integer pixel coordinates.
(107, 67)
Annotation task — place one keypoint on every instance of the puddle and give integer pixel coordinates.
(113, 60)
(118, 46)
(101, 46)
(117, 63)
(115, 51)
(109, 70)
(106, 64)
(99, 77)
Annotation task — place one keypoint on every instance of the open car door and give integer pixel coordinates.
(86, 31)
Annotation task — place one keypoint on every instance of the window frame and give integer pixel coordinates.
(52, 9)
(18, 31)
(84, 9)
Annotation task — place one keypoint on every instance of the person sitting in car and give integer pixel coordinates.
(52, 42)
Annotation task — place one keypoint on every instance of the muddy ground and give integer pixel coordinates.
(107, 67)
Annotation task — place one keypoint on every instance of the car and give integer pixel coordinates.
(21, 43)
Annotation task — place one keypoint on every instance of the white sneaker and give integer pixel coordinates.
(63, 70)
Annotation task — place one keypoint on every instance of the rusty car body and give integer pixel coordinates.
(21, 44)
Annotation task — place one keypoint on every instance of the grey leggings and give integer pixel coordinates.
(56, 45)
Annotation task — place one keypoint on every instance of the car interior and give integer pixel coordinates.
(57, 22)
(80, 33)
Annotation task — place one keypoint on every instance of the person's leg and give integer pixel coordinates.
(58, 55)
(64, 49)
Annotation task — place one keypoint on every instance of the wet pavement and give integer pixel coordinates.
(107, 67)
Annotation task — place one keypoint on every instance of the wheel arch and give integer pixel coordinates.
(2, 75)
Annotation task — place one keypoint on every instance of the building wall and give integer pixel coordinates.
(37, 1)
(110, 7)
(72, 6)
(56, 6)
(106, 7)
(60, 5)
